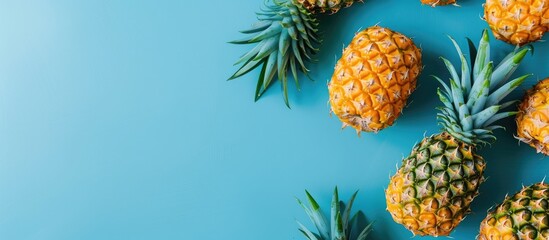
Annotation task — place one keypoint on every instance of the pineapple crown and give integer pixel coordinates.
(286, 36)
(472, 101)
(341, 223)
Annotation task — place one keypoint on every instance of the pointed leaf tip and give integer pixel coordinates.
(312, 201)
(485, 35)
(520, 55)
(531, 47)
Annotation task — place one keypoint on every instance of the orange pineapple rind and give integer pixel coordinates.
(517, 22)
(533, 118)
(373, 79)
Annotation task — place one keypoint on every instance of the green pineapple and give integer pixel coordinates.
(322, 6)
(432, 191)
(341, 222)
(524, 215)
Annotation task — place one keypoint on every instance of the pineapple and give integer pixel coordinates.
(321, 6)
(373, 79)
(523, 216)
(341, 224)
(517, 22)
(533, 117)
(286, 38)
(435, 3)
(433, 189)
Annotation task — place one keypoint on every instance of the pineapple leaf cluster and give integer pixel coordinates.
(341, 222)
(286, 37)
(472, 100)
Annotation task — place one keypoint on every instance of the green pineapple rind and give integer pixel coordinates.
(286, 38)
(446, 171)
(530, 201)
(341, 221)
(472, 101)
(444, 168)
(329, 6)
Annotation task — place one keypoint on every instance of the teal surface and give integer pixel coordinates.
(117, 122)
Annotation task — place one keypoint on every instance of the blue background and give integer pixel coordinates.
(117, 122)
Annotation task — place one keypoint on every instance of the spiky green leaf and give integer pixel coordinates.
(340, 223)
(316, 216)
(506, 68)
(504, 90)
(347, 212)
(334, 212)
(284, 29)
(310, 235)
(480, 90)
(498, 116)
(365, 232)
(451, 69)
(465, 72)
(472, 104)
(480, 118)
(483, 54)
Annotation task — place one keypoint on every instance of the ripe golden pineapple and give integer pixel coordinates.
(433, 189)
(435, 3)
(517, 22)
(373, 79)
(286, 38)
(533, 117)
(524, 216)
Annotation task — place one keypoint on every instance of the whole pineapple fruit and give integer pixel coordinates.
(373, 79)
(435, 3)
(433, 189)
(523, 216)
(517, 22)
(533, 117)
(286, 38)
(341, 226)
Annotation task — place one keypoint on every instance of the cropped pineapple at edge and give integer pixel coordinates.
(523, 216)
(435, 3)
(342, 225)
(533, 117)
(432, 191)
(373, 79)
(286, 39)
(517, 22)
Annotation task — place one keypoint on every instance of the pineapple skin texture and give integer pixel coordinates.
(435, 3)
(374, 78)
(433, 189)
(523, 216)
(517, 22)
(533, 117)
(322, 6)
